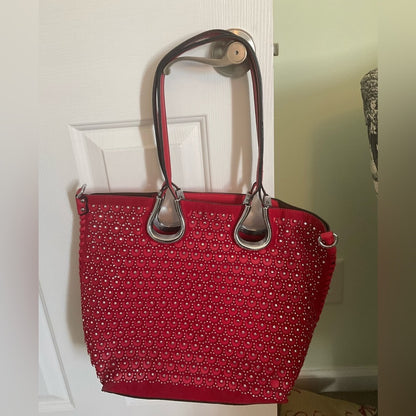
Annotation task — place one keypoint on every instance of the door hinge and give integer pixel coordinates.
(275, 49)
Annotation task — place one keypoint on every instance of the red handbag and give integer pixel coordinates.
(217, 306)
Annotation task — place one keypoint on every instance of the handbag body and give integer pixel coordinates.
(208, 308)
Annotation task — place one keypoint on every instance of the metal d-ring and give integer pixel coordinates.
(165, 237)
(81, 191)
(324, 245)
(254, 245)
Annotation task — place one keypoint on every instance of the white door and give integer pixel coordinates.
(97, 61)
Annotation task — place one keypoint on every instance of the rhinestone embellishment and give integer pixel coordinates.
(200, 312)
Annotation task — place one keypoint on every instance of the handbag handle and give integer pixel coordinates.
(162, 141)
(159, 108)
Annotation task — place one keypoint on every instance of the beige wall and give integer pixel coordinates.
(396, 208)
(322, 156)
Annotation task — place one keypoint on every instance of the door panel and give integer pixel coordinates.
(101, 149)
(97, 60)
(53, 389)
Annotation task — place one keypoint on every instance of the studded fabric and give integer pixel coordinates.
(200, 319)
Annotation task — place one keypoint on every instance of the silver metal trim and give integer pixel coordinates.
(322, 244)
(253, 245)
(267, 201)
(247, 199)
(81, 193)
(180, 195)
(165, 238)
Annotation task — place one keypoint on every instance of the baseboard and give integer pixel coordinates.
(338, 379)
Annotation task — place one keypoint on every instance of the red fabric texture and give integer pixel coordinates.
(201, 319)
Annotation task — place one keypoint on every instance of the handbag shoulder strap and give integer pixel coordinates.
(159, 108)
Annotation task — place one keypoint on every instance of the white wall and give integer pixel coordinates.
(322, 157)
(18, 210)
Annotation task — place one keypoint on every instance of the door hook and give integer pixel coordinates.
(227, 58)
